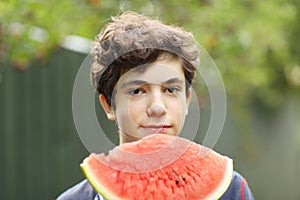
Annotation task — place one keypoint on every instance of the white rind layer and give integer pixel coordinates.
(224, 183)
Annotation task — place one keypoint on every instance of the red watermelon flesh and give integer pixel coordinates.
(159, 167)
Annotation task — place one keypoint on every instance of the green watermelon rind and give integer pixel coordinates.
(99, 188)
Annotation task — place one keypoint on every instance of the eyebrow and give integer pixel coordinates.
(175, 80)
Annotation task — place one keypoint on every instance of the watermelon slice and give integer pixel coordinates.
(159, 167)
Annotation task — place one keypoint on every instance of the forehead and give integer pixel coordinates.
(157, 72)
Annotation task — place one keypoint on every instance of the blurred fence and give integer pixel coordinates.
(41, 151)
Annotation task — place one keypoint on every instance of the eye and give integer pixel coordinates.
(172, 90)
(136, 91)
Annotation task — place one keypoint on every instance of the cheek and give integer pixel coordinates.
(136, 110)
(178, 110)
(131, 112)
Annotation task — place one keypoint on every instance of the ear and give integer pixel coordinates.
(188, 100)
(107, 108)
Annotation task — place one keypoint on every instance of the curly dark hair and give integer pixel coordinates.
(131, 40)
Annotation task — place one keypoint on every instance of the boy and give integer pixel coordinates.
(143, 70)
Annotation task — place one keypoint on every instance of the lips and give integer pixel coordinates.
(151, 129)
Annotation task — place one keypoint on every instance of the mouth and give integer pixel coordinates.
(151, 129)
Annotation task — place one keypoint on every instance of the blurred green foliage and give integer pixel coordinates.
(254, 43)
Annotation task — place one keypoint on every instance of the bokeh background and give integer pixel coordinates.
(255, 45)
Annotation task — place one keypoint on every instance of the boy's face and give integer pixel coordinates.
(151, 101)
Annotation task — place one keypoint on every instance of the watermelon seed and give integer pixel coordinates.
(183, 179)
(177, 182)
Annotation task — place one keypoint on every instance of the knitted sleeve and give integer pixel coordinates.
(238, 189)
(81, 191)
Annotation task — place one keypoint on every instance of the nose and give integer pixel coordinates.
(156, 106)
(156, 111)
